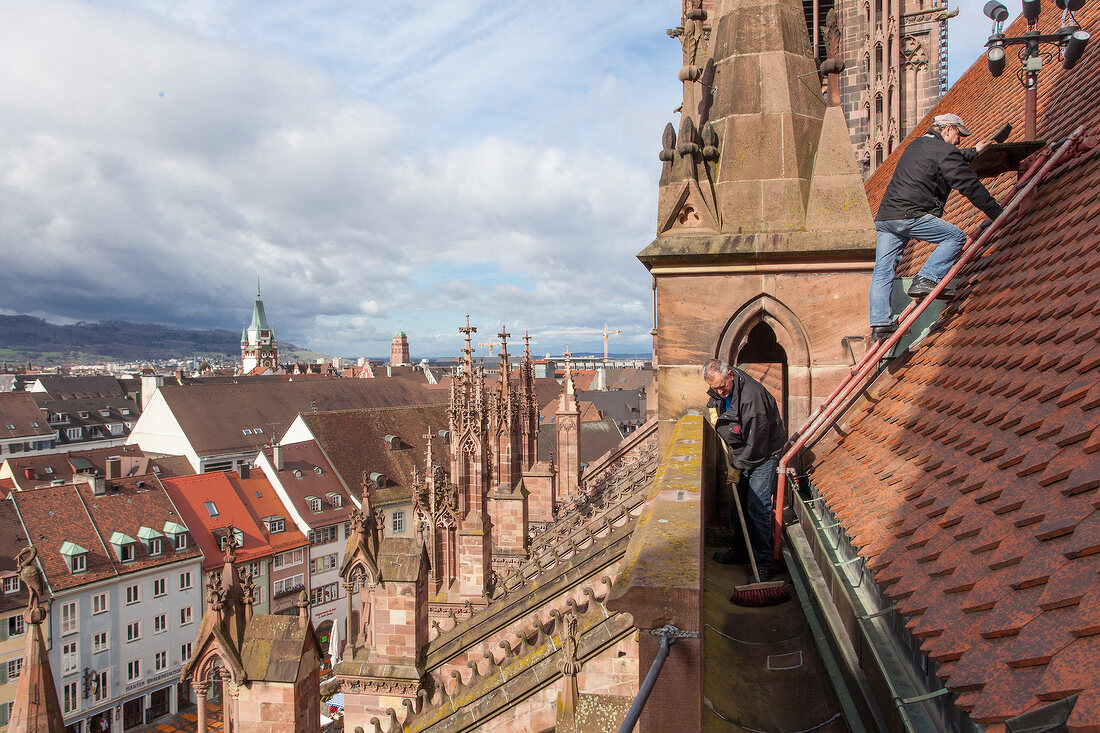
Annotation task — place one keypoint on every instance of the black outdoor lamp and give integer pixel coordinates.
(1069, 42)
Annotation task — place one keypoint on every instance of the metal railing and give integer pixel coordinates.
(669, 634)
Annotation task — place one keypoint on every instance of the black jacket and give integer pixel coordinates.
(752, 426)
(929, 168)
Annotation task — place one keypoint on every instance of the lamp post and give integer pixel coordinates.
(1068, 41)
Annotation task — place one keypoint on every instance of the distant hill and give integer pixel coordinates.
(25, 338)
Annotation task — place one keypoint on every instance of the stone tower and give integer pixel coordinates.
(258, 345)
(765, 240)
(471, 473)
(268, 667)
(568, 421)
(895, 63)
(399, 350)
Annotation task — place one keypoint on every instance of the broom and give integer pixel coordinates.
(770, 593)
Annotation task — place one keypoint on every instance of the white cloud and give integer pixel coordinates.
(370, 163)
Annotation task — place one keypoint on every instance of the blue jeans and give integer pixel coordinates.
(893, 235)
(757, 489)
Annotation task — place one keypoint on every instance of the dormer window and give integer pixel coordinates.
(318, 470)
(314, 503)
(124, 546)
(153, 541)
(124, 411)
(222, 535)
(12, 584)
(297, 474)
(275, 524)
(104, 413)
(9, 426)
(84, 414)
(76, 557)
(177, 535)
(335, 500)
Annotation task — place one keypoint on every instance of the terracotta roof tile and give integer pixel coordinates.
(971, 481)
(1073, 669)
(191, 493)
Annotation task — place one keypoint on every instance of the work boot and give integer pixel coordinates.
(922, 286)
(881, 333)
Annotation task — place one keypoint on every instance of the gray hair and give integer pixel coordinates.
(715, 367)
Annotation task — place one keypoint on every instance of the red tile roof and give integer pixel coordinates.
(260, 497)
(969, 483)
(214, 416)
(355, 443)
(47, 468)
(1065, 100)
(19, 410)
(56, 514)
(190, 493)
(308, 473)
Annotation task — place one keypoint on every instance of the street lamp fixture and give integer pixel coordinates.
(1068, 43)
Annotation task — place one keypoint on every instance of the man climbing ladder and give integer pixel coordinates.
(911, 208)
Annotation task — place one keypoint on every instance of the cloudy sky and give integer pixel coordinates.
(380, 166)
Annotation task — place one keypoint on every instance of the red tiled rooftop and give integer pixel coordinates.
(971, 483)
(190, 493)
(56, 514)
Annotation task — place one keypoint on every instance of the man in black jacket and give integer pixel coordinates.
(748, 421)
(912, 206)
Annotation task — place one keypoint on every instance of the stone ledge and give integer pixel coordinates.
(660, 579)
(757, 248)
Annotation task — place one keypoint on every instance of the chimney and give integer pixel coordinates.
(97, 483)
(149, 385)
(114, 467)
(28, 473)
(277, 456)
(243, 470)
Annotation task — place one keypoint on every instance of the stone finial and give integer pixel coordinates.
(690, 35)
(833, 64)
(688, 148)
(569, 665)
(303, 608)
(668, 153)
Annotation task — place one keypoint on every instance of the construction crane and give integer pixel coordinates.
(490, 344)
(607, 333)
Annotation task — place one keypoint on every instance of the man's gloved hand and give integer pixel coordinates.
(733, 476)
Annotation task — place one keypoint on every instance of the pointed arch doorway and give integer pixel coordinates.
(766, 339)
(765, 360)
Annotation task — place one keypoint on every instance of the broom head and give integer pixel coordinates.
(771, 593)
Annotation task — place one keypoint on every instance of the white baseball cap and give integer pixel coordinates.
(950, 119)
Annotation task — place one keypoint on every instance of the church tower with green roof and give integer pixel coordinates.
(258, 345)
